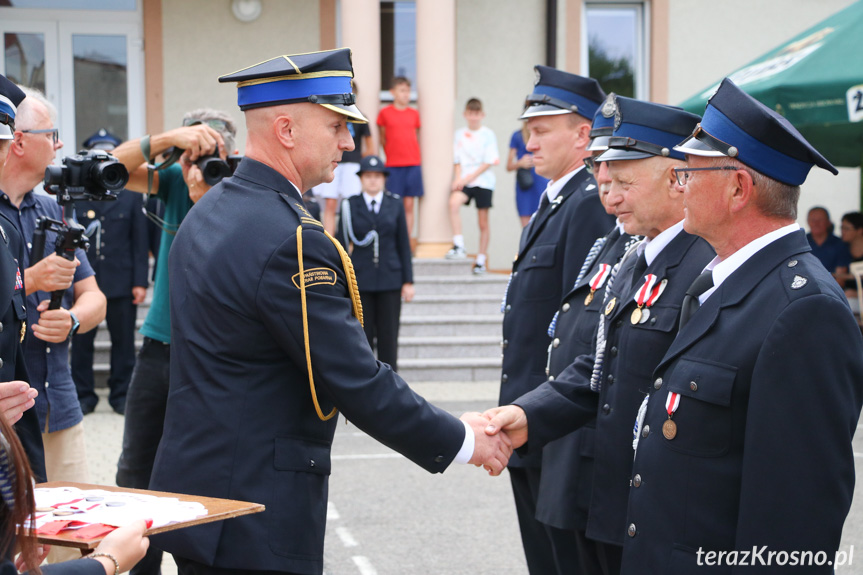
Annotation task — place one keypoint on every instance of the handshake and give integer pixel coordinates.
(496, 433)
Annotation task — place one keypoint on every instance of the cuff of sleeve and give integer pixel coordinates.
(466, 452)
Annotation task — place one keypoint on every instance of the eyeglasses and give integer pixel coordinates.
(591, 164)
(218, 125)
(55, 133)
(683, 173)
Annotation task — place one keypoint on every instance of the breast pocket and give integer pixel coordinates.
(539, 284)
(703, 416)
(646, 343)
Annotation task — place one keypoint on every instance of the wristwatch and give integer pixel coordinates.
(75, 324)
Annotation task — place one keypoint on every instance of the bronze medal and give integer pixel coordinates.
(589, 297)
(610, 307)
(669, 429)
(636, 316)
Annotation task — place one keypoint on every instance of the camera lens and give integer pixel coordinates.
(214, 170)
(53, 176)
(111, 175)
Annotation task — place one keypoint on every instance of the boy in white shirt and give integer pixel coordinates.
(475, 150)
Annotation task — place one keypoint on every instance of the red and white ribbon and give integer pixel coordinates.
(648, 293)
(671, 402)
(599, 278)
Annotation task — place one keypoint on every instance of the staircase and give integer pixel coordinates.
(450, 332)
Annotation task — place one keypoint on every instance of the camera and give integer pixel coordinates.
(90, 175)
(215, 169)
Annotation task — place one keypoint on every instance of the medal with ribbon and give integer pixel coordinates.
(597, 281)
(646, 296)
(669, 428)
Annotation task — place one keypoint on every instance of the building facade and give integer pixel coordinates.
(135, 66)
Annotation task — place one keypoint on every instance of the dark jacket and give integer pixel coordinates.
(393, 268)
(240, 421)
(770, 374)
(553, 247)
(118, 251)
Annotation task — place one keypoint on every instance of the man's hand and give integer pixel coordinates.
(51, 273)
(490, 451)
(194, 178)
(509, 418)
(407, 292)
(16, 397)
(54, 324)
(198, 140)
(139, 293)
(458, 185)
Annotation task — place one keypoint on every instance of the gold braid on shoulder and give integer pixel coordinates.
(355, 301)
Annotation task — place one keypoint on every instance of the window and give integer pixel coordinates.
(398, 44)
(615, 45)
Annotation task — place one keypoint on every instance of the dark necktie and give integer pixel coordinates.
(372, 209)
(543, 206)
(639, 269)
(690, 301)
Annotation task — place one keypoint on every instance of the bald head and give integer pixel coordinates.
(303, 142)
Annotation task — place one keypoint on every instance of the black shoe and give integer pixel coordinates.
(119, 409)
(87, 408)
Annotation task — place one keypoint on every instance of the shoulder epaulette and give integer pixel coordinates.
(303, 214)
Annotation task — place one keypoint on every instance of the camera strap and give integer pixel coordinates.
(151, 170)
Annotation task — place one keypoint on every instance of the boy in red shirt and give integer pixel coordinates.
(399, 131)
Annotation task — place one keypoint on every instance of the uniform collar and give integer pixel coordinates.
(722, 269)
(553, 189)
(652, 248)
(379, 198)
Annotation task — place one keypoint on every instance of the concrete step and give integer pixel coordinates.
(459, 304)
(450, 325)
(487, 284)
(450, 369)
(487, 347)
(105, 336)
(442, 267)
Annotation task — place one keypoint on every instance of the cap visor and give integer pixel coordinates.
(5, 132)
(612, 154)
(352, 112)
(598, 144)
(542, 110)
(696, 147)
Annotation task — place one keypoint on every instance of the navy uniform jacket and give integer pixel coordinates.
(553, 247)
(770, 374)
(119, 253)
(631, 353)
(567, 463)
(240, 421)
(394, 260)
(74, 567)
(12, 365)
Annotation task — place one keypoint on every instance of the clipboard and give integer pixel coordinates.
(217, 510)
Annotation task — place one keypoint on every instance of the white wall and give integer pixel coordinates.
(498, 44)
(709, 40)
(203, 40)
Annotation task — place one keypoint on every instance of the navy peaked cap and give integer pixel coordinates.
(10, 97)
(645, 129)
(738, 126)
(372, 164)
(558, 92)
(318, 77)
(103, 140)
(603, 124)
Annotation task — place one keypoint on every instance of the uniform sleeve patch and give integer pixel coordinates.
(316, 276)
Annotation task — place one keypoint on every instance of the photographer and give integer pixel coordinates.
(179, 186)
(83, 307)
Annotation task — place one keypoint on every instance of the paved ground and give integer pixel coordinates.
(389, 517)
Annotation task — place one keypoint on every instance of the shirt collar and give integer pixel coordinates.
(722, 269)
(378, 198)
(652, 248)
(553, 189)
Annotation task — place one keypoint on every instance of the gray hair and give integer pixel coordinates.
(25, 110)
(204, 114)
(772, 197)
